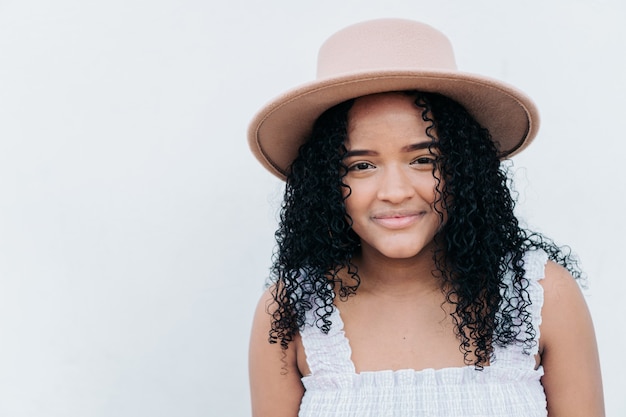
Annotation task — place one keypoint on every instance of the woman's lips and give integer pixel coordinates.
(397, 221)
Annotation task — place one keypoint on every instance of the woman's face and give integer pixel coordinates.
(390, 162)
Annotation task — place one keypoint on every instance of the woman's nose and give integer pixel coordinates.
(395, 185)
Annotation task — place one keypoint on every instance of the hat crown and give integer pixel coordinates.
(385, 44)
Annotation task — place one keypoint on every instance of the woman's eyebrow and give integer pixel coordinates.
(420, 146)
(408, 148)
(359, 152)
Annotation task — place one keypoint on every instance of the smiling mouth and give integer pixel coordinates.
(397, 221)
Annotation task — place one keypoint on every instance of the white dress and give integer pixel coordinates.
(510, 386)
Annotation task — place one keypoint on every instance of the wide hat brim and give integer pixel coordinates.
(285, 123)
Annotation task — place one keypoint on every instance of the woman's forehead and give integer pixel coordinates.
(387, 116)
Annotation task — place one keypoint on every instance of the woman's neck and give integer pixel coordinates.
(398, 278)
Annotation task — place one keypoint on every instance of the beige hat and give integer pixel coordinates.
(388, 55)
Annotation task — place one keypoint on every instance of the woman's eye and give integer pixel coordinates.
(360, 166)
(424, 160)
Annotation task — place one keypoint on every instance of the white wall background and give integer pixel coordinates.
(136, 230)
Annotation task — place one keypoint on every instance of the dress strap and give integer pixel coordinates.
(326, 353)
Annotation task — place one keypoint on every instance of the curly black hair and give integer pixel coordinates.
(480, 242)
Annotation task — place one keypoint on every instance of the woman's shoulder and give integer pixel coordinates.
(569, 354)
(275, 383)
(564, 311)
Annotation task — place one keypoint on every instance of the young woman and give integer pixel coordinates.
(403, 284)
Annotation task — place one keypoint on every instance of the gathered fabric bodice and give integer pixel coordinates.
(510, 386)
